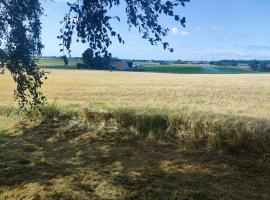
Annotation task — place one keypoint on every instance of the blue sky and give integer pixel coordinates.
(216, 29)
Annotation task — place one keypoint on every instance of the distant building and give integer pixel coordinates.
(120, 65)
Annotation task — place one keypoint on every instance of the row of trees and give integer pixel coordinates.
(225, 63)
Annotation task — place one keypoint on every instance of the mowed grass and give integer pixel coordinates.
(51, 161)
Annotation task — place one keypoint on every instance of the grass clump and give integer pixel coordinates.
(95, 116)
(200, 131)
(9, 111)
(214, 132)
(145, 123)
(50, 113)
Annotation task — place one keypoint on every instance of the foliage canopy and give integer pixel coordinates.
(20, 29)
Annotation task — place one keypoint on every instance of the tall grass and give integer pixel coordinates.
(9, 111)
(188, 130)
(200, 130)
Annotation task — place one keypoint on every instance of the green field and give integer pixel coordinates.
(57, 63)
(193, 70)
(189, 69)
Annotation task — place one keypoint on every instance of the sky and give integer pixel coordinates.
(215, 30)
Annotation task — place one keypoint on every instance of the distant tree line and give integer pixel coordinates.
(263, 66)
(256, 65)
(227, 63)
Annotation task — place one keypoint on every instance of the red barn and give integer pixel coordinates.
(120, 65)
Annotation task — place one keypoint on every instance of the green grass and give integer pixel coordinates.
(58, 63)
(98, 160)
(190, 69)
(147, 64)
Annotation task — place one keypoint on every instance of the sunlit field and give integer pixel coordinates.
(244, 94)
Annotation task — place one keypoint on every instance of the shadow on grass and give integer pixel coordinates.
(56, 161)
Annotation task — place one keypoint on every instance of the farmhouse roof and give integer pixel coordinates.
(121, 65)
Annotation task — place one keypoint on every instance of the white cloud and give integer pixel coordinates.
(177, 31)
(218, 28)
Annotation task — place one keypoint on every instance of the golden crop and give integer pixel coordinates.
(244, 94)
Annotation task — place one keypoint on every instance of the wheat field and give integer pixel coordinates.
(237, 94)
